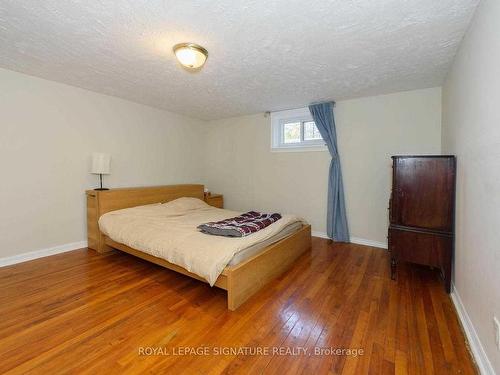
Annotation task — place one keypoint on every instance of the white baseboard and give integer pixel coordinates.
(483, 363)
(24, 257)
(362, 241)
(319, 234)
(356, 240)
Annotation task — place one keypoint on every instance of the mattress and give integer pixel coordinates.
(169, 231)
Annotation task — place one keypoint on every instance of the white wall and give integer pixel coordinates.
(47, 133)
(49, 130)
(239, 163)
(471, 130)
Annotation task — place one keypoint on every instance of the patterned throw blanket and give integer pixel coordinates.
(240, 226)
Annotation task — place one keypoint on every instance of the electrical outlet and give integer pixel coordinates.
(497, 331)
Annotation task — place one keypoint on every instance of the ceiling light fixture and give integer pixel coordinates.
(191, 55)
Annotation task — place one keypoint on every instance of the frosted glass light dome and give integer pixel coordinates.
(191, 55)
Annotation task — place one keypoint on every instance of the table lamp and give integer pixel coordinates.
(100, 166)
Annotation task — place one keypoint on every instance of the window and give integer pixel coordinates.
(311, 132)
(295, 130)
(291, 132)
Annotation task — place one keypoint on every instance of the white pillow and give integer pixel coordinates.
(186, 204)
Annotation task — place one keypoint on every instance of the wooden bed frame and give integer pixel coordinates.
(241, 280)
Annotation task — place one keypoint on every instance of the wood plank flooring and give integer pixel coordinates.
(84, 313)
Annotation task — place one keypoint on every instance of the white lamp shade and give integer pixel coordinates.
(100, 163)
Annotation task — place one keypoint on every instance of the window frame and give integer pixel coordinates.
(300, 115)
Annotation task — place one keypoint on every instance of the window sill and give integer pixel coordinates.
(299, 149)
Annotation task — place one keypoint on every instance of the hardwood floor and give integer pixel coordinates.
(85, 313)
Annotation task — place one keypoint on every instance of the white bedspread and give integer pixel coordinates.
(169, 231)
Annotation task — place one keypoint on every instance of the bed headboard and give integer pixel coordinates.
(101, 201)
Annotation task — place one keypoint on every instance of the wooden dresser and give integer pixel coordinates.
(421, 212)
(216, 200)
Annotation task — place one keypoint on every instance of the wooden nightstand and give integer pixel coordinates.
(216, 200)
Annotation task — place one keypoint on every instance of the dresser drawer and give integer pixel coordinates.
(419, 247)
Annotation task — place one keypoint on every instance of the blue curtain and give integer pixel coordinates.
(336, 223)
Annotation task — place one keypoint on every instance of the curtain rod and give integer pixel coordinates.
(268, 113)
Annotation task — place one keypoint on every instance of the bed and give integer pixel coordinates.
(244, 270)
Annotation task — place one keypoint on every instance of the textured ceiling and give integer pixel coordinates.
(263, 54)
